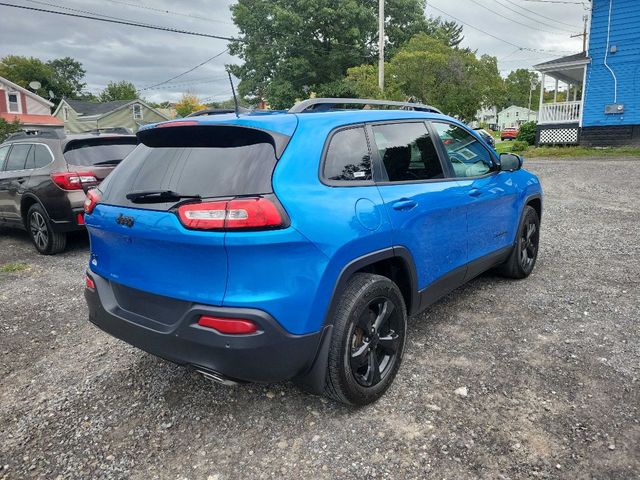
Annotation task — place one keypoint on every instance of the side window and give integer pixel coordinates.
(407, 152)
(3, 154)
(467, 155)
(18, 157)
(137, 111)
(348, 157)
(39, 156)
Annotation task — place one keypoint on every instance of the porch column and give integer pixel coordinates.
(575, 92)
(542, 82)
(555, 92)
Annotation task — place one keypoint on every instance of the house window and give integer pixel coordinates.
(65, 113)
(137, 111)
(517, 114)
(13, 101)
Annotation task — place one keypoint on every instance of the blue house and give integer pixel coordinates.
(600, 87)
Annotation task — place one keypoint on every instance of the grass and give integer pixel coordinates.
(13, 267)
(577, 151)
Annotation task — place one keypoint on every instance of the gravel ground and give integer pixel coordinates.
(550, 366)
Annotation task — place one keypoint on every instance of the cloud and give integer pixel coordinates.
(111, 52)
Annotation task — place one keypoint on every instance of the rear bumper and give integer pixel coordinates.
(270, 355)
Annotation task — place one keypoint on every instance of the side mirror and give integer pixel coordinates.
(510, 162)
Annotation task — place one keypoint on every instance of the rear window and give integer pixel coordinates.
(107, 151)
(205, 171)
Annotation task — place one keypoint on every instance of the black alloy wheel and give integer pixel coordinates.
(375, 342)
(367, 340)
(529, 244)
(525, 251)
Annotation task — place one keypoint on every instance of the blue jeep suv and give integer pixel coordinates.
(263, 247)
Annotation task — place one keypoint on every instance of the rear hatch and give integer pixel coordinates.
(154, 226)
(97, 156)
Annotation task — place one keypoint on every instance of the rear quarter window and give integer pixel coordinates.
(347, 158)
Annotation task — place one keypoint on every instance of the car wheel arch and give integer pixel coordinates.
(26, 202)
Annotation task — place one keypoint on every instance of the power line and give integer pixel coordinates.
(188, 71)
(170, 12)
(538, 14)
(123, 22)
(521, 23)
(78, 11)
(494, 36)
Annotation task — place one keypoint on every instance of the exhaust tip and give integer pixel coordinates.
(218, 378)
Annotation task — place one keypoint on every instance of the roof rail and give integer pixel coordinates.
(324, 104)
(56, 134)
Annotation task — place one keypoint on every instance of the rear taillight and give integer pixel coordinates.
(240, 214)
(73, 180)
(93, 198)
(229, 326)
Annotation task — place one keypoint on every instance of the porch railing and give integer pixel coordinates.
(561, 112)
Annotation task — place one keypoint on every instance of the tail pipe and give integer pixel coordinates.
(218, 378)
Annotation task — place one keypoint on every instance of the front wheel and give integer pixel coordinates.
(46, 241)
(525, 252)
(368, 340)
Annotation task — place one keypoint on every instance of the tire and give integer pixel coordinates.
(525, 251)
(362, 365)
(46, 241)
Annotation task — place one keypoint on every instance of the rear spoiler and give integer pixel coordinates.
(186, 134)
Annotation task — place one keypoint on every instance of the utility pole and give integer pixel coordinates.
(381, 44)
(583, 34)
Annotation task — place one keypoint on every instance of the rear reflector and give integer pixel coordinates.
(80, 219)
(246, 213)
(229, 326)
(73, 180)
(89, 282)
(93, 197)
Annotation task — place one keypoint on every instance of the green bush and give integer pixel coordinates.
(527, 133)
(519, 146)
(7, 128)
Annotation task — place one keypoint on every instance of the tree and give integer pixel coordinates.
(429, 71)
(7, 128)
(62, 76)
(67, 77)
(122, 90)
(517, 86)
(189, 103)
(292, 48)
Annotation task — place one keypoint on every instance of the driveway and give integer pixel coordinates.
(550, 365)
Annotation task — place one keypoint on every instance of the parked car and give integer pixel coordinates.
(294, 245)
(486, 136)
(44, 177)
(509, 133)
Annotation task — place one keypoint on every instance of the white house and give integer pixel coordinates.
(486, 115)
(515, 116)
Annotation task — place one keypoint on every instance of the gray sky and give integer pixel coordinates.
(146, 57)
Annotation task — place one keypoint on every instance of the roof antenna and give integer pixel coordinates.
(235, 99)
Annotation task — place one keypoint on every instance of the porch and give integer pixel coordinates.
(561, 100)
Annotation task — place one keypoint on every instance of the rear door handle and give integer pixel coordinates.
(404, 204)
(475, 192)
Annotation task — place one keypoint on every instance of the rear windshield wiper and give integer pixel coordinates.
(158, 196)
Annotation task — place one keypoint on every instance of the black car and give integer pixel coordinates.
(486, 136)
(44, 177)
